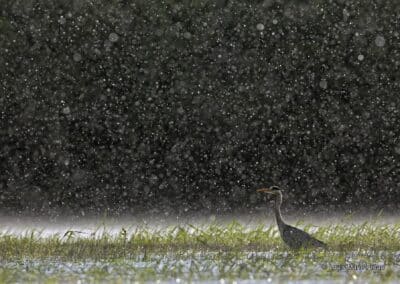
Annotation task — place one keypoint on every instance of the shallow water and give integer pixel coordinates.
(209, 267)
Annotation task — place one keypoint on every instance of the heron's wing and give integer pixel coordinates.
(298, 238)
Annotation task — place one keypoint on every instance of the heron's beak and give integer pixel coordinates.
(266, 190)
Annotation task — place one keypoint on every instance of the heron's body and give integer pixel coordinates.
(293, 237)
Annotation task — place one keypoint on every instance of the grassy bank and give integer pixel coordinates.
(232, 237)
(214, 251)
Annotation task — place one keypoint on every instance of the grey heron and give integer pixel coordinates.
(293, 237)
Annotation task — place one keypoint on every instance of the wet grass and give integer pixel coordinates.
(233, 251)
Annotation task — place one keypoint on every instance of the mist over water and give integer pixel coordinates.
(95, 226)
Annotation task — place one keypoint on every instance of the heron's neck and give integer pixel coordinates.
(278, 202)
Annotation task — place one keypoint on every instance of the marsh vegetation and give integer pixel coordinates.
(212, 252)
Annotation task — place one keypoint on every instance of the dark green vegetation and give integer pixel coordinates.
(203, 253)
(188, 105)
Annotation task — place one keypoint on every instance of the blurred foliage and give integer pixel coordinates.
(189, 105)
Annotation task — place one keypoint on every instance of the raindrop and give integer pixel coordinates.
(260, 27)
(274, 21)
(181, 110)
(77, 57)
(113, 37)
(323, 84)
(360, 57)
(62, 20)
(66, 110)
(380, 41)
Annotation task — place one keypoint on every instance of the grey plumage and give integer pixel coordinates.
(293, 237)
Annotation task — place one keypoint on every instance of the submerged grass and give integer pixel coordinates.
(213, 251)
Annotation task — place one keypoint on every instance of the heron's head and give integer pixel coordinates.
(272, 190)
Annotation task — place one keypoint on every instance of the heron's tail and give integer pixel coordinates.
(320, 244)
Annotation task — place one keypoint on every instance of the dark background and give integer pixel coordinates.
(189, 106)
